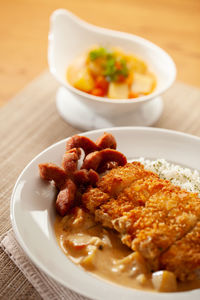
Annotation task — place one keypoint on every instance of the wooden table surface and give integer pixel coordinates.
(172, 24)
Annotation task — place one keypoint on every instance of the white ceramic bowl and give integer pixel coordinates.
(33, 210)
(69, 37)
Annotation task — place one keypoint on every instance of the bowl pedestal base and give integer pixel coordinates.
(80, 117)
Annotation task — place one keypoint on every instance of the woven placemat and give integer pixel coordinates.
(29, 123)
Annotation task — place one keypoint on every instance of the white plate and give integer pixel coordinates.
(32, 210)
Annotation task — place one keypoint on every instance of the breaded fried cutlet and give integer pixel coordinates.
(113, 183)
(136, 194)
(151, 214)
(153, 227)
(183, 257)
(120, 178)
(94, 198)
(167, 216)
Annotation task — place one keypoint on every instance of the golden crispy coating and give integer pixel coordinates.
(183, 257)
(111, 184)
(94, 198)
(150, 213)
(136, 194)
(129, 184)
(118, 179)
(173, 213)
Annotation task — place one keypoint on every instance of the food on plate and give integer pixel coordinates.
(125, 221)
(112, 73)
(150, 213)
(97, 156)
(183, 257)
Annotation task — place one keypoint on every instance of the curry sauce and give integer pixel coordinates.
(100, 251)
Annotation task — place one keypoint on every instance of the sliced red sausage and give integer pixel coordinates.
(86, 177)
(98, 159)
(92, 161)
(83, 142)
(93, 177)
(106, 141)
(66, 198)
(109, 155)
(70, 161)
(109, 165)
(49, 171)
(81, 177)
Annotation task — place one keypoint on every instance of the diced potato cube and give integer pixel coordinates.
(136, 64)
(164, 281)
(78, 64)
(88, 262)
(95, 68)
(140, 263)
(118, 90)
(79, 76)
(84, 81)
(142, 84)
(133, 264)
(142, 279)
(133, 62)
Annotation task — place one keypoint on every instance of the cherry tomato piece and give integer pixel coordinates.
(98, 92)
(101, 83)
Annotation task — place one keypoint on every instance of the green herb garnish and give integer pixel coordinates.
(97, 53)
(112, 67)
(124, 69)
(112, 72)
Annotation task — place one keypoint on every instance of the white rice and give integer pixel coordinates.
(185, 178)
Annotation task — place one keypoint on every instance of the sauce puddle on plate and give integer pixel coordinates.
(100, 251)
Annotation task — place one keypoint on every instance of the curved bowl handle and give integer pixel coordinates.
(68, 37)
